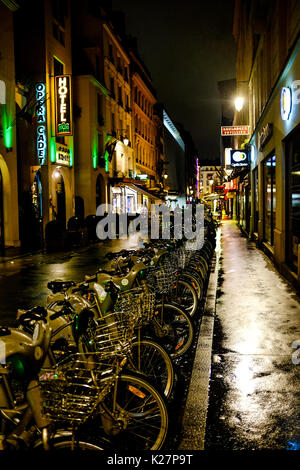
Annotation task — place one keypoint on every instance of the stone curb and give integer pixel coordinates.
(194, 419)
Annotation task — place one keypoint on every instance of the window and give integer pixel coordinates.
(269, 170)
(100, 119)
(128, 131)
(126, 77)
(120, 98)
(113, 123)
(59, 13)
(256, 199)
(293, 200)
(119, 65)
(58, 67)
(111, 53)
(2, 92)
(112, 87)
(59, 34)
(100, 143)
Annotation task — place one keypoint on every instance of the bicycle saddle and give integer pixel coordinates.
(60, 286)
(28, 318)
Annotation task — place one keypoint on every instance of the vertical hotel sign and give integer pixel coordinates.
(41, 137)
(63, 99)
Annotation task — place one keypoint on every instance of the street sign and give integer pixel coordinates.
(63, 98)
(235, 130)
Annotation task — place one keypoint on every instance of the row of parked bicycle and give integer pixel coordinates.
(96, 365)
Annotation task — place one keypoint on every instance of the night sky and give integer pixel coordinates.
(188, 47)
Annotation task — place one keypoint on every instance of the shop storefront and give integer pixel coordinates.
(292, 151)
(244, 204)
(255, 201)
(124, 199)
(275, 174)
(269, 198)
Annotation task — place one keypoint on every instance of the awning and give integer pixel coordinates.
(143, 191)
(211, 197)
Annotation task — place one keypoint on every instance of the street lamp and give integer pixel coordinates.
(239, 103)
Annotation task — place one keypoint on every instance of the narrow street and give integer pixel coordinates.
(254, 399)
(253, 392)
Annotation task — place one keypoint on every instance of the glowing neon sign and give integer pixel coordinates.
(41, 138)
(285, 103)
(63, 105)
(239, 158)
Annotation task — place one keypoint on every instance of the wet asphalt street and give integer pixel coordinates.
(23, 281)
(254, 393)
(254, 399)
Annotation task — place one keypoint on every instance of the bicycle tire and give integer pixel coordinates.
(180, 328)
(155, 363)
(136, 405)
(186, 296)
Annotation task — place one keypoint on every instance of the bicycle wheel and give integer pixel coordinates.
(195, 280)
(175, 327)
(150, 358)
(77, 445)
(186, 296)
(136, 413)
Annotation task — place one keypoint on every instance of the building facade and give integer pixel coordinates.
(268, 69)
(45, 132)
(80, 124)
(9, 217)
(174, 164)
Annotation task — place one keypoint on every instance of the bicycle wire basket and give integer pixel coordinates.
(136, 304)
(181, 257)
(73, 389)
(114, 333)
(162, 278)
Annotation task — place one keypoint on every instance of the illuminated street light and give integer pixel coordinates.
(239, 102)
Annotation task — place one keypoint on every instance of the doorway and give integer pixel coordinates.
(100, 190)
(37, 215)
(60, 201)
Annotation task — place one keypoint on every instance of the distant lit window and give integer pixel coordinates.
(2, 92)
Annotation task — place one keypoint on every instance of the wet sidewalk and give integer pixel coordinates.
(254, 400)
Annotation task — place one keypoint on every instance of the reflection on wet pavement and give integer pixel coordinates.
(255, 394)
(23, 283)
